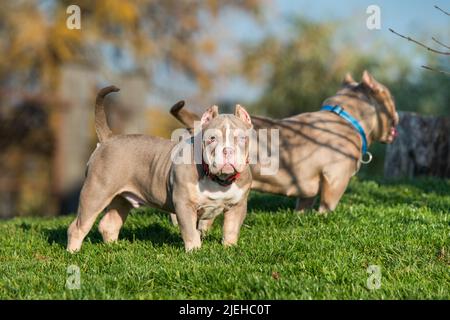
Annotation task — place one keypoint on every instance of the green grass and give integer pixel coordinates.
(401, 227)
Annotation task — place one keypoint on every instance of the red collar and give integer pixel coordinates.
(228, 181)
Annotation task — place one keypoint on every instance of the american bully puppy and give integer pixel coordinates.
(132, 170)
(320, 151)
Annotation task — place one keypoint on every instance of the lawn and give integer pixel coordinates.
(402, 228)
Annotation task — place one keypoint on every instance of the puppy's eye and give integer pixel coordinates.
(242, 139)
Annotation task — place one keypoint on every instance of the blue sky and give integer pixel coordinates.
(416, 18)
(414, 15)
(394, 13)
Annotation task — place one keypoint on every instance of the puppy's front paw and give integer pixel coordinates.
(194, 244)
(73, 245)
(72, 250)
(191, 246)
(229, 243)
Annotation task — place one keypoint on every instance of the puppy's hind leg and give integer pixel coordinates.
(93, 199)
(304, 204)
(331, 192)
(114, 218)
(204, 225)
(173, 218)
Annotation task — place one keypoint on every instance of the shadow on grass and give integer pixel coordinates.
(430, 192)
(156, 233)
(259, 201)
(420, 192)
(438, 186)
(380, 190)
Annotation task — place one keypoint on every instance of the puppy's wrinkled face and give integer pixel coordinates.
(225, 141)
(382, 98)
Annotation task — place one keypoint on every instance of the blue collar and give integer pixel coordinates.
(346, 116)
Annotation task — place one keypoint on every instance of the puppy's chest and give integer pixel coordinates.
(213, 199)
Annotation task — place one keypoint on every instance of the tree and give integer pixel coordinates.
(437, 51)
(117, 37)
(298, 74)
(34, 36)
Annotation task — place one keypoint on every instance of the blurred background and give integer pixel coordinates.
(276, 57)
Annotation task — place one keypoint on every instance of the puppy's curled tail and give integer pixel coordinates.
(101, 124)
(186, 117)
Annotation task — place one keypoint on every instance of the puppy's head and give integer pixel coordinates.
(381, 98)
(225, 141)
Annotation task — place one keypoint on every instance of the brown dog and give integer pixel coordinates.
(320, 151)
(133, 170)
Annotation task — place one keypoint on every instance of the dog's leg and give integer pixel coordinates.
(173, 218)
(89, 209)
(303, 204)
(331, 192)
(113, 220)
(187, 220)
(232, 223)
(204, 225)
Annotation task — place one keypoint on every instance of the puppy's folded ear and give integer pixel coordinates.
(209, 114)
(242, 114)
(348, 79)
(369, 82)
